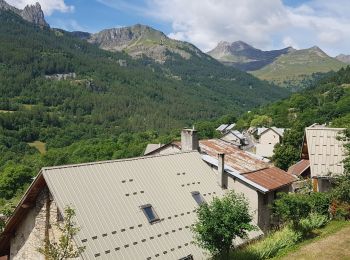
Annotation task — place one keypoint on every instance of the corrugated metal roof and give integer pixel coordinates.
(238, 134)
(222, 127)
(326, 153)
(230, 127)
(233, 172)
(270, 178)
(152, 147)
(236, 158)
(107, 197)
(299, 168)
(261, 130)
(279, 131)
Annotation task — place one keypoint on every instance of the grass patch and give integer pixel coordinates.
(40, 146)
(6, 111)
(285, 241)
(318, 234)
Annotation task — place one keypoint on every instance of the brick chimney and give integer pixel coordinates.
(189, 140)
(222, 177)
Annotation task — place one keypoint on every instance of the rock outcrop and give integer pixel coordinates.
(31, 13)
(141, 40)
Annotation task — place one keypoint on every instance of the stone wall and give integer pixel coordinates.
(36, 225)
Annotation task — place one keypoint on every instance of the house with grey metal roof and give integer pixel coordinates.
(246, 173)
(235, 137)
(140, 208)
(325, 153)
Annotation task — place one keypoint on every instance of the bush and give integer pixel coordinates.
(319, 202)
(340, 210)
(291, 208)
(313, 221)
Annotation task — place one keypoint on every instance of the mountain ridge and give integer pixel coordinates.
(244, 56)
(343, 58)
(30, 13)
(140, 40)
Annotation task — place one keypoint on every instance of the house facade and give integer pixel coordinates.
(268, 138)
(325, 153)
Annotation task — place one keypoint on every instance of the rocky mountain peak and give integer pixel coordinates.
(31, 13)
(240, 45)
(343, 58)
(34, 14)
(141, 40)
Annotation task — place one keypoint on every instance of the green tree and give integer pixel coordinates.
(263, 120)
(221, 221)
(65, 248)
(285, 155)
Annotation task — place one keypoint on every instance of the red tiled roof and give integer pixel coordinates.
(270, 178)
(239, 160)
(298, 168)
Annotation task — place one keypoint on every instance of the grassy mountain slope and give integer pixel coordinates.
(291, 68)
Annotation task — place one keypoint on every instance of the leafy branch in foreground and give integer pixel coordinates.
(65, 248)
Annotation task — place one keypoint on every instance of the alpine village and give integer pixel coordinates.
(128, 144)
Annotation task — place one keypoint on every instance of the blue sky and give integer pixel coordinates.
(265, 24)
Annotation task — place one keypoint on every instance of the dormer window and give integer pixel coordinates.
(150, 213)
(198, 197)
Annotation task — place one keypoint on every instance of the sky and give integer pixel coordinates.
(264, 24)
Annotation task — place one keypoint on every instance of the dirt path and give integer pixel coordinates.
(333, 247)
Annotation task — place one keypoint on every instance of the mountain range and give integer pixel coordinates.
(245, 57)
(141, 40)
(170, 84)
(285, 67)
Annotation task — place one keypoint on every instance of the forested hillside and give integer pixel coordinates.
(109, 106)
(327, 101)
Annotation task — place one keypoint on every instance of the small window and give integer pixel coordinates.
(198, 197)
(150, 213)
(189, 257)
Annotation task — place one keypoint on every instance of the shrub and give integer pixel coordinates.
(313, 221)
(291, 208)
(340, 210)
(319, 202)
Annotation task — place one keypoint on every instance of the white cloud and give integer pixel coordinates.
(48, 6)
(265, 24)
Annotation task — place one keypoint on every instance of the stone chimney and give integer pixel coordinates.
(189, 140)
(222, 177)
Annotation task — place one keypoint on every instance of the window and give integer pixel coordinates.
(198, 197)
(189, 257)
(151, 215)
